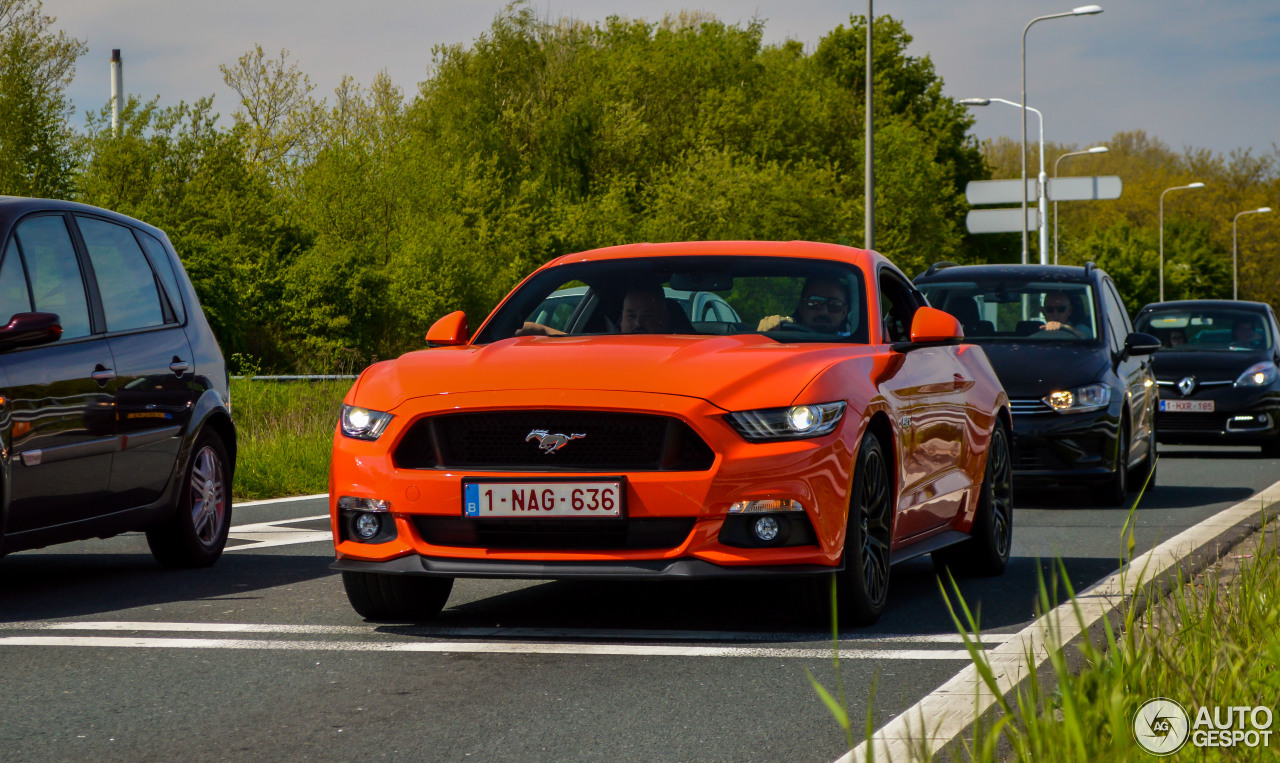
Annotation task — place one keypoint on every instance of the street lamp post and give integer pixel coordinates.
(1094, 150)
(1234, 284)
(1084, 10)
(1041, 195)
(1196, 184)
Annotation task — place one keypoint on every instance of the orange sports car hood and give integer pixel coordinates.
(732, 372)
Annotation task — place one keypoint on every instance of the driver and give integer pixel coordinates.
(1245, 331)
(824, 306)
(1058, 313)
(644, 311)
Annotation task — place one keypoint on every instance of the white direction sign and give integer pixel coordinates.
(1083, 188)
(1000, 220)
(980, 192)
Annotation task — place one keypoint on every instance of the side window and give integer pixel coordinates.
(125, 281)
(54, 272)
(161, 261)
(1117, 317)
(1124, 313)
(14, 297)
(897, 307)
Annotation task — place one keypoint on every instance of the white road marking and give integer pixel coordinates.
(942, 716)
(266, 534)
(290, 499)
(476, 647)
(498, 632)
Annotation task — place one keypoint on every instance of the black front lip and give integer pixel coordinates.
(644, 569)
(1061, 447)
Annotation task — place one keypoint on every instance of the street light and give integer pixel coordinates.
(1094, 150)
(1196, 184)
(1041, 200)
(1084, 10)
(1259, 210)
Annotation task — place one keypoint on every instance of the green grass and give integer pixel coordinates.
(285, 435)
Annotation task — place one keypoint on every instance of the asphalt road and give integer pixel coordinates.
(105, 656)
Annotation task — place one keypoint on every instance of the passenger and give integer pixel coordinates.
(824, 306)
(1177, 337)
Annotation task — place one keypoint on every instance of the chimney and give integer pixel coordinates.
(117, 89)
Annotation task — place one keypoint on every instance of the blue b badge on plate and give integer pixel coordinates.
(471, 500)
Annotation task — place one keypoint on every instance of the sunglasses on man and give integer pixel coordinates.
(833, 304)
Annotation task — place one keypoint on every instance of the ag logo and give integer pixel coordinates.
(1161, 726)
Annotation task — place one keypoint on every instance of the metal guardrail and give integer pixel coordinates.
(299, 377)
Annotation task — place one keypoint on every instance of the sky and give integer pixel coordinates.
(1193, 73)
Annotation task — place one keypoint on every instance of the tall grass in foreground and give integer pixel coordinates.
(1209, 642)
(285, 434)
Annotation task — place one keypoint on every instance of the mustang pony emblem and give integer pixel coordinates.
(550, 443)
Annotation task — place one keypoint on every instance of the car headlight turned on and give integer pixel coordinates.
(794, 423)
(363, 423)
(1092, 397)
(1258, 375)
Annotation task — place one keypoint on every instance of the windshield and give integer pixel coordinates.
(1021, 311)
(1209, 328)
(790, 300)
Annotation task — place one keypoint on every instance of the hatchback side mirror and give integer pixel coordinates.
(1140, 344)
(449, 331)
(28, 329)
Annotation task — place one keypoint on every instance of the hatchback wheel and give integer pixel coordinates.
(409, 598)
(1114, 491)
(197, 532)
(987, 550)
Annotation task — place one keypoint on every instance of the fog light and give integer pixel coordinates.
(766, 528)
(367, 525)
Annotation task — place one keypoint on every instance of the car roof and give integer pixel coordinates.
(13, 207)
(802, 249)
(1218, 304)
(1062, 273)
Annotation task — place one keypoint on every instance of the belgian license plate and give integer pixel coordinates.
(1187, 406)
(482, 500)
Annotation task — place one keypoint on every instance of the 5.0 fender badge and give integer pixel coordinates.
(550, 443)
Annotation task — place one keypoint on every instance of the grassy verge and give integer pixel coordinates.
(285, 434)
(1213, 641)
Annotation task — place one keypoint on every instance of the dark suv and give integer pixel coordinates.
(1079, 379)
(114, 410)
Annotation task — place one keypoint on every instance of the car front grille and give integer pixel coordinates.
(1029, 405)
(554, 534)
(509, 440)
(1190, 422)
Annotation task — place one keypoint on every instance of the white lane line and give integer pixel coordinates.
(290, 499)
(472, 647)
(942, 716)
(267, 534)
(462, 632)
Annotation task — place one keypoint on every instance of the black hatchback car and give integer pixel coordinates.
(1079, 378)
(114, 410)
(1217, 371)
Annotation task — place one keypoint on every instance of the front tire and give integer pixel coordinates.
(863, 586)
(986, 553)
(408, 598)
(1115, 490)
(196, 534)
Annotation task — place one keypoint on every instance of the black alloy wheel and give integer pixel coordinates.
(864, 584)
(402, 598)
(991, 539)
(1114, 491)
(197, 532)
(1138, 475)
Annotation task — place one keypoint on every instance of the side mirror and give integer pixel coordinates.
(1140, 344)
(449, 331)
(931, 325)
(28, 329)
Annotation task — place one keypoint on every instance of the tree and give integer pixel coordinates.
(36, 65)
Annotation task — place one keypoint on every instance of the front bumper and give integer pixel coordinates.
(1227, 424)
(1051, 448)
(816, 472)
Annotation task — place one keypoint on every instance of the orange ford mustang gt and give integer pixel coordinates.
(690, 410)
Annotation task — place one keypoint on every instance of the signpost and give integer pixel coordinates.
(983, 192)
(1000, 220)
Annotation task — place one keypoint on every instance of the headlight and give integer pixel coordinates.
(1088, 398)
(1258, 375)
(362, 423)
(794, 423)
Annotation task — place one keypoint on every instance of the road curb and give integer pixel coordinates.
(265, 501)
(940, 719)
